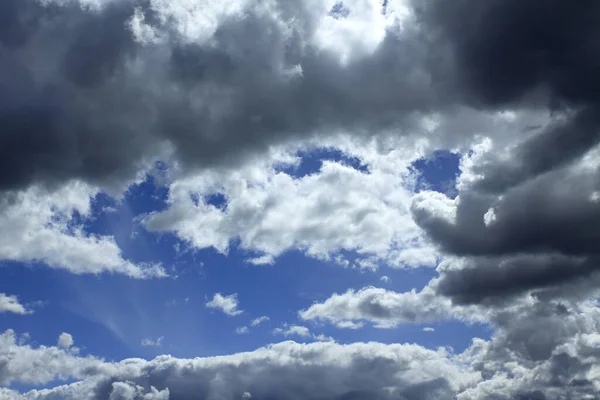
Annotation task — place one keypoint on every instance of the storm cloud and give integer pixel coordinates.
(91, 90)
(527, 211)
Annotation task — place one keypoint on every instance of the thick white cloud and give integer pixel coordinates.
(336, 208)
(545, 350)
(65, 341)
(37, 226)
(226, 304)
(287, 370)
(387, 309)
(26, 364)
(10, 303)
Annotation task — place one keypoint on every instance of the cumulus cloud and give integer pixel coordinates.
(540, 349)
(526, 213)
(39, 227)
(226, 304)
(36, 365)
(65, 341)
(336, 208)
(387, 309)
(10, 303)
(287, 370)
(88, 101)
(318, 75)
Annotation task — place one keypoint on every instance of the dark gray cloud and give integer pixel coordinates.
(82, 97)
(493, 279)
(542, 230)
(505, 50)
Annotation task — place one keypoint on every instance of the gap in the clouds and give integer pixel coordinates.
(384, 6)
(438, 172)
(218, 200)
(311, 162)
(339, 11)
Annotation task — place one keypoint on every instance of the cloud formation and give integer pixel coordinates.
(227, 304)
(525, 217)
(40, 226)
(10, 303)
(540, 349)
(287, 370)
(387, 309)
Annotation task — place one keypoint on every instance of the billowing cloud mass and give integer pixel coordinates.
(271, 211)
(230, 94)
(546, 350)
(10, 303)
(115, 83)
(525, 218)
(227, 304)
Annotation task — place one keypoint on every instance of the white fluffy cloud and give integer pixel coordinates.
(65, 341)
(37, 226)
(337, 208)
(226, 304)
(26, 364)
(10, 303)
(288, 370)
(546, 350)
(387, 309)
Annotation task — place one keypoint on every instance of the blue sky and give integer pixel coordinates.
(110, 315)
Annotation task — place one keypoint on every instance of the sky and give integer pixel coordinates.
(299, 199)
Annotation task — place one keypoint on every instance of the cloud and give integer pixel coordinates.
(259, 320)
(547, 349)
(292, 330)
(152, 343)
(26, 364)
(287, 370)
(387, 309)
(428, 329)
(314, 75)
(65, 341)
(10, 303)
(242, 330)
(40, 227)
(525, 218)
(318, 75)
(537, 235)
(226, 304)
(337, 208)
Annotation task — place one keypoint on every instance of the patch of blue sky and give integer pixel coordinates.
(339, 11)
(438, 172)
(311, 162)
